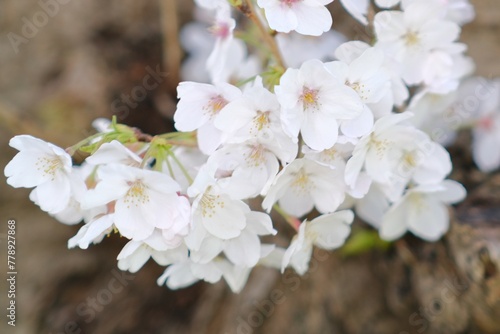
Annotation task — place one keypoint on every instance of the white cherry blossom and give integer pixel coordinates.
(42, 166)
(198, 107)
(305, 184)
(409, 37)
(143, 200)
(313, 102)
(245, 169)
(256, 116)
(326, 231)
(422, 211)
(394, 153)
(307, 17)
(219, 213)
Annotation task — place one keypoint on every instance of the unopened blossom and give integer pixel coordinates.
(326, 231)
(43, 166)
(307, 17)
(143, 200)
(422, 211)
(198, 107)
(314, 102)
(305, 184)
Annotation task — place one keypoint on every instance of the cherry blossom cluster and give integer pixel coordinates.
(315, 130)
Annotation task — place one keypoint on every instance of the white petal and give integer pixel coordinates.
(243, 250)
(430, 221)
(319, 131)
(357, 8)
(226, 219)
(394, 222)
(359, 126)
(452, 193)
(331, 230)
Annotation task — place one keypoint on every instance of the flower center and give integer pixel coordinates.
(220, 30)
(301, 183)
(330, 155)
(215, 104)
(261, 120)
(380, 146)
(418, 202)
(290, 3)
(309, 98)
(411, 38)
(49, 165)
(209, 204)
(136, 194)
(256, 156)
(359, 88)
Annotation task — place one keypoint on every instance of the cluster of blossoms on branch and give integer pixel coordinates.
(315, 130)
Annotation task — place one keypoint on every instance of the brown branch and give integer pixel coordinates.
(172, 52)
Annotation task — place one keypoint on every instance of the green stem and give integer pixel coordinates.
(181, 166)
(291, 220)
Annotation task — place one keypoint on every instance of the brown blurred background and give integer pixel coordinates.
(69, 72)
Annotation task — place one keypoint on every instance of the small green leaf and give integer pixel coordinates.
(362, 241)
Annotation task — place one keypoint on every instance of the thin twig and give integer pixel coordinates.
(249, 10)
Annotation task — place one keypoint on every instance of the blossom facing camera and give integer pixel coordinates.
(313, 102)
